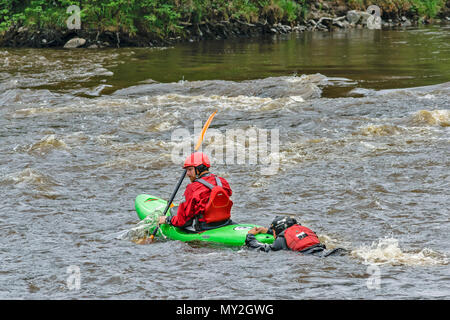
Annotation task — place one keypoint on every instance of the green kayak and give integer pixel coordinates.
(234, 235)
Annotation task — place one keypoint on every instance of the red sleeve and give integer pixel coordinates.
(185, 209)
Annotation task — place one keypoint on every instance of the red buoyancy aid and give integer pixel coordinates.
(219, 204)
(299, 238)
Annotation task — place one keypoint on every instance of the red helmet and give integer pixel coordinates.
(196, 159)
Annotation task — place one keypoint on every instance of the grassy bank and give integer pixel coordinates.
(159, 17)
(169, 18)
(422, 9)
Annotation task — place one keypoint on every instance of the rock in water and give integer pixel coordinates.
(75, 43)
(405, 22)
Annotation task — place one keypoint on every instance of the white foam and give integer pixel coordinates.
(388, 251)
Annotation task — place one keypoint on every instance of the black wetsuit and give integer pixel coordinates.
(280, 244)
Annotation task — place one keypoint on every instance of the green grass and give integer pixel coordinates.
(422, 8)
(427, 8)
(160, 17)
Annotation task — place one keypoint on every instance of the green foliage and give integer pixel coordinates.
(291, 9)
(165, 18)
(427, 8)
(9, 14)
(244, 10)
(34, 13)
(423, 8)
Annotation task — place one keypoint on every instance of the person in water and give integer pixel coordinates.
(207, 202)
(290, 235)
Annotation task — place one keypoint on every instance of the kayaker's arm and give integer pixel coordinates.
(252, 243)
(186, 209)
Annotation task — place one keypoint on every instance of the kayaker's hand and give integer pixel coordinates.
(162, 220)
(263, 230)
(256, 230)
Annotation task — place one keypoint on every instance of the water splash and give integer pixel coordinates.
(432, 118)
(332, 243)
(143, 229)
(29, 176)
(380, 130)
(47, 144)
(388, 251)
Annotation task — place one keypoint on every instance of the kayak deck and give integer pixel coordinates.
(233, 235)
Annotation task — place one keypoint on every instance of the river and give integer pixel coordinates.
(357, 126)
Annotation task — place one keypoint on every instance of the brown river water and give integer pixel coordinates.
(357, 131)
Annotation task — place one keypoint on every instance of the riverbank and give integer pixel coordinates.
(170, 22)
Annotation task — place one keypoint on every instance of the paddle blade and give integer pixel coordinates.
(205, 127)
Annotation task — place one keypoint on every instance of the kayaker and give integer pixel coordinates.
(290, 235)
(207, 202)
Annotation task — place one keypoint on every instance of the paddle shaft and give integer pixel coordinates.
(170, 202)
